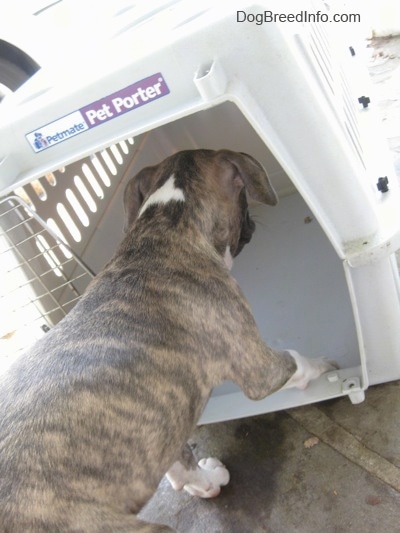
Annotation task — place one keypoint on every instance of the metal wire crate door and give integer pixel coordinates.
(41, 278)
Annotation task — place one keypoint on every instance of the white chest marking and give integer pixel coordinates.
(228, 259)
(163, 195)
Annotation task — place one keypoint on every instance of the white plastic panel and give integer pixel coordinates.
(374, 290)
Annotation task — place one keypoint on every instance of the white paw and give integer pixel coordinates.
(206, 481)
(308, 369)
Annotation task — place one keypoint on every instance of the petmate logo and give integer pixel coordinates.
(57, 131)
(127, 99)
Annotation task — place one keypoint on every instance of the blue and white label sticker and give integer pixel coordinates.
(57, 131)
(123, 101)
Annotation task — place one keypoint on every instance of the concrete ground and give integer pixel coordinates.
(329, 468)
(332, 467)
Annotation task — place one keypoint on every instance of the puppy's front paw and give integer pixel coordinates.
(328, 365)
(208, 478)
(308, 369)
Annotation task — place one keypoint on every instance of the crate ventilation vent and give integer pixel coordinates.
(75, 196)
(337, 87)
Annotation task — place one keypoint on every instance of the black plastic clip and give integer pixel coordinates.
(364, 100)
(383, 184)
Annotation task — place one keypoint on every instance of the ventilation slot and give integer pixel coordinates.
(51, 179)
(92, 181)
(21, 192)
(124, 147)
(49, 255)
(76, 206)
(100, 168)
(117, 154)
(87, 197)
(53, 226)
(38, 190)
(69, 223)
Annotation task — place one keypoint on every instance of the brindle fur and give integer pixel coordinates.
(98, 410)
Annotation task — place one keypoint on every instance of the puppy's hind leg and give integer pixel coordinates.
(204, 479)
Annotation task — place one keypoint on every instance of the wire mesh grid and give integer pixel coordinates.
(41, 278)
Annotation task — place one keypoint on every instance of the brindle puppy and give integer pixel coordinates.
(100, 408)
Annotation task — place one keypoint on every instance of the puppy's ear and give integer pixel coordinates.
(253, 176)
(135, 193)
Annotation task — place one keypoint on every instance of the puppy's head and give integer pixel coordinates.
(204, 187)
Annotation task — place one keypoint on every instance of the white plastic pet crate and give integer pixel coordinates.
(320, 272)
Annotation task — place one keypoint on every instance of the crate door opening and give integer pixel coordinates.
(289, 272)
